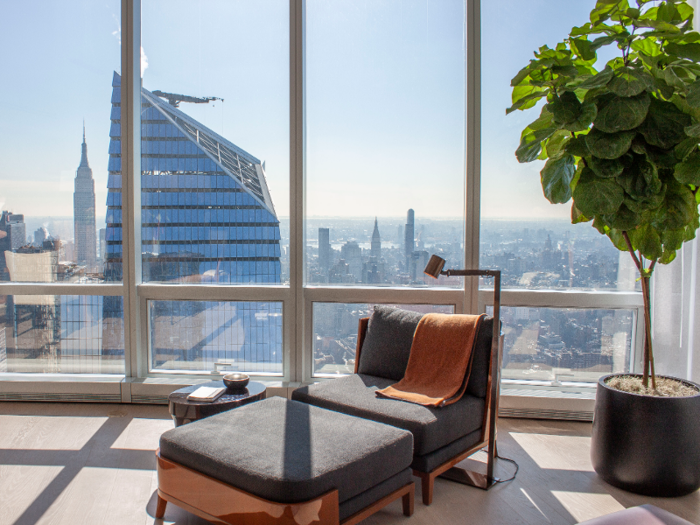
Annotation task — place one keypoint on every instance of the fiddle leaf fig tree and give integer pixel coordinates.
(620, 139)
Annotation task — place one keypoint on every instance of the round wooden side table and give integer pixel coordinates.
(184, 411)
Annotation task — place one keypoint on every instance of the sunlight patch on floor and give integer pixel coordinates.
(47, 432)
(19, 485)
(556, 452)
(585, 505)
(142, 434)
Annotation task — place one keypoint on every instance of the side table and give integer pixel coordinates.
(184, 411)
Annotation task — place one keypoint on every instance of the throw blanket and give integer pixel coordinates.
(440, 361)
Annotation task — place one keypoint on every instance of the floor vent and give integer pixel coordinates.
(150, 400)
(568, 415)
(69, 398)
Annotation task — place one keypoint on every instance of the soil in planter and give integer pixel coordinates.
(665, 387)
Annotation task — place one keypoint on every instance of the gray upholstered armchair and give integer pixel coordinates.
(442, 437)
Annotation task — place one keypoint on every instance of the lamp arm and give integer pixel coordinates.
(468, 273)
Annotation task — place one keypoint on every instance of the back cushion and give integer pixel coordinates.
(387, 344)
(481, 358)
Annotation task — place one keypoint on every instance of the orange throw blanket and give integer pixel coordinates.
(440, 361)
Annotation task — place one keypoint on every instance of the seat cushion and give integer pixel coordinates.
(289, 452)
(387, 344)
(432, 428)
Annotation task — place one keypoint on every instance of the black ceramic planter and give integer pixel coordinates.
(647, 445)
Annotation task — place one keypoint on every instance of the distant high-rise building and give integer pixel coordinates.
(352, 254)
(324, 248)
(40, 235)
(13, 235)
(103, 243)
(376, 248)
(206, 216)
(84, 212)
(409, 238)
(399, 237)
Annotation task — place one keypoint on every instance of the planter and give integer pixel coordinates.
(647, 445)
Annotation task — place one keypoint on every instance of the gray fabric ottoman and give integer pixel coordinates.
(280, 458)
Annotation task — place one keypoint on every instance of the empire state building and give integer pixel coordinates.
(84, 213)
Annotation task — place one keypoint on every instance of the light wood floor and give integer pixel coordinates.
(94, 464)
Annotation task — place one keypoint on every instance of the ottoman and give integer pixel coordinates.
(279, 461)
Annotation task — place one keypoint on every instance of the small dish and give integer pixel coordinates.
(236, 380)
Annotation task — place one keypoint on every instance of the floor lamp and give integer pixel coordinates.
(434, 269)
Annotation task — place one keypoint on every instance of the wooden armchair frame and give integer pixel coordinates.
(448, 470)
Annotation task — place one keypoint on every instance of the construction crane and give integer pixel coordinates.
(174, 99)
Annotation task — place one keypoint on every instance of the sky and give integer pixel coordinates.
(385, 112)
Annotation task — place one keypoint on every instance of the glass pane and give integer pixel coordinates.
(565, 344)
(206, 336)
(61, 334)
(530, 240)
(335, 333)
(53, 194)
(385, 140)
(215, 142)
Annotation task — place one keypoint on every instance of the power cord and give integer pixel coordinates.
(517, 467)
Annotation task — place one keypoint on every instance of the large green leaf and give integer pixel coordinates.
(678, 209)
(685, 148)
(623, 219)
(673, 239)
(527, 101)
(605, 168)
(688, 171)
(564, 109)
(641, 179)
(582, 47)
(689, 51)
(531, 144)
(608, 145)
(693, 131)
(576, 215)
(556, 179)
(647, 240)
(622, 113)
(648, 46)
(629, 82)
(555, 147)
(665, 124)
(577, 147)
(596, 196)
(617, 239)
(693, 95)
(599, 80)
(585, 118)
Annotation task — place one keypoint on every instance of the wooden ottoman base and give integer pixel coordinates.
(219, 502)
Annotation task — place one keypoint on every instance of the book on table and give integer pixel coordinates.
(206, 394)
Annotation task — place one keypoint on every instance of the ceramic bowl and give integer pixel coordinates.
(236, 380)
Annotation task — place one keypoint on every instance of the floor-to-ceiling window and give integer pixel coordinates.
(53, 192)
(571, 306)
(261, 173)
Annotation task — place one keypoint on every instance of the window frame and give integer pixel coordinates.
(139, 384)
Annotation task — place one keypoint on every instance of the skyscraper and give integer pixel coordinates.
(409, 239)
(206, 216)
(376, 247)
(84, 212)
(13, 235)
(324, 249)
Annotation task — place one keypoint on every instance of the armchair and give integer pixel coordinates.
(442, 436)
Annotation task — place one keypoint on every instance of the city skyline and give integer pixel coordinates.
(509, 190)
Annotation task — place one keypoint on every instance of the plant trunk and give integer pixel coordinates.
(648, 354)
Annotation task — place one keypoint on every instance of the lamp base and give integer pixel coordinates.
(469, 477)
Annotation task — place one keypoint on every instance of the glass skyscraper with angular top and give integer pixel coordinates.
(207, 217)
